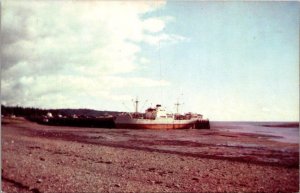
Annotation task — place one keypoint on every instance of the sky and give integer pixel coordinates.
(230, 61)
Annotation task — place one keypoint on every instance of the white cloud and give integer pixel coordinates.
(162, 39)
(53, 50)
(119, 82)
(154, 25)
(143, 60)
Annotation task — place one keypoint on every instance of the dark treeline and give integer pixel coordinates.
(32, 112)
(62, 117)
(22, 111)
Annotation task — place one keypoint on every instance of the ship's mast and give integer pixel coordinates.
(177, 107)
(177, 104)
(136, 105)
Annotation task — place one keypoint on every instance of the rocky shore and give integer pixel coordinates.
(38, 158)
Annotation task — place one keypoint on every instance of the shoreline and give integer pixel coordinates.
(60, 159)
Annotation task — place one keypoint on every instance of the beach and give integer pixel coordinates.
(40, 158)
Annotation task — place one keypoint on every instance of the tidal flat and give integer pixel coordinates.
(226, 158)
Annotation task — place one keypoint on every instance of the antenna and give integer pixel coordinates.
(159, 61)
(144, 104)
(125, 106)
(177, 106)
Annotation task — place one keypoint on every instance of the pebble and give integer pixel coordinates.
(31, 188)
(42, 159)
(151, 169)
(196, 179)
(176, 185)
(156, 182)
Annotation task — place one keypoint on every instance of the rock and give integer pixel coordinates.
(195, 179)
(39, 180)
(42, 159)
(117, 185)
(176, 185)
(34, 189)
(158, 182)
(151, 169)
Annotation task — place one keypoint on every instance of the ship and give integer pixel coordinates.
(157, 118)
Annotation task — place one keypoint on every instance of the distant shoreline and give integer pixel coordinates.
(290, 125)
(265, 123)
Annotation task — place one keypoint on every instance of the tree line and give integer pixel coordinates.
(22, 111)
(37, 112)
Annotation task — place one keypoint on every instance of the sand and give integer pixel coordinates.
(39, 158)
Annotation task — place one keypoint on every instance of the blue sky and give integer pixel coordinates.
(226, 60)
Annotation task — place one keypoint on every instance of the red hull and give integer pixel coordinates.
(155, 126)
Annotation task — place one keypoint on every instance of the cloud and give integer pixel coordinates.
(154, 25)
(53, 51)
(163, 38)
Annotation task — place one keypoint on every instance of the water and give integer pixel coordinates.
(277, 131)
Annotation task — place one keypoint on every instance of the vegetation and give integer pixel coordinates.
(33, 112)
(63, 117)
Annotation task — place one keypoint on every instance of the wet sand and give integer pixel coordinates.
(39, 158)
